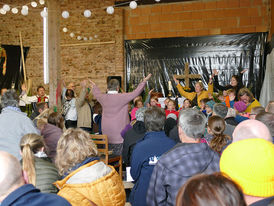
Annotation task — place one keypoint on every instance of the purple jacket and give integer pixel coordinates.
(115, 111)
(51, 135)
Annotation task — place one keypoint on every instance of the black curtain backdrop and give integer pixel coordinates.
(165, 57)
(14, 74)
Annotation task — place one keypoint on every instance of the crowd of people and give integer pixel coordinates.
(214, 149)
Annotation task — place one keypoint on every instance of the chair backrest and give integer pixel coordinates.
(101, 140)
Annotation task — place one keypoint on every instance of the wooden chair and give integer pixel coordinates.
(105, 155)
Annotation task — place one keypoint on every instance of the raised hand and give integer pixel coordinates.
(244, 71)
(91, 83)
(176, 80)
(151, 91)
(24, 87)
(147, 77)
(215, 72)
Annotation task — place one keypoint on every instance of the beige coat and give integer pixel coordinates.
(83, 110)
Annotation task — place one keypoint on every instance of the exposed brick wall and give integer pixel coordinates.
(198, 18)
(78, 62)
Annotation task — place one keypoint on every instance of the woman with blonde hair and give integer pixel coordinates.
(40, 171)
(85, 178)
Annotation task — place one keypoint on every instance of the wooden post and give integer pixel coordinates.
(54, 48)
(187, 76)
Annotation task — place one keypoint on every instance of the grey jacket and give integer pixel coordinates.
(13, 126)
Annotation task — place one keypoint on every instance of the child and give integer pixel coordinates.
(171, 105)
(203, 105)
(240, 107)
(137, 104)
(219, 141)
(230, 98)
(154, 102)
(209, 108)
(186, 104)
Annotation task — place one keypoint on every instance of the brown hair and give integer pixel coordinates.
(245, 91)
(213, 189)
(29, 145)
(136, 102)
(56, 119)
(217, 126)
(39, 87)
(257, 110)
(231, 91)
(40, 105)
(74, 146)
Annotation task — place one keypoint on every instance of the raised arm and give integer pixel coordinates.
(216, 81)
(188, 95)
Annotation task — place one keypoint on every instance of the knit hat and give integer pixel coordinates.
(240, 106)
(172, 115)
(250, 163)
(210, 104)
(140, 114)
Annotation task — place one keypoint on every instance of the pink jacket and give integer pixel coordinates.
(115, 111)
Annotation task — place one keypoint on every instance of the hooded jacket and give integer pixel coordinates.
(93, 182)
(175, 167)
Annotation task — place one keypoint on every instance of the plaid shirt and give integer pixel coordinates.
(176, 167)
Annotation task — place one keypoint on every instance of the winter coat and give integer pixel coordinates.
(93, 182)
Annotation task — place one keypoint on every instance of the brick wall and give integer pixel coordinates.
(198, 18)
(79, 61)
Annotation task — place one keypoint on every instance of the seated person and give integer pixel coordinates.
(147, 152)
(85, 178)
(247, 97)
(14, 187)
(214, 189)
(39, 168)
(171, 105)
(255, 111)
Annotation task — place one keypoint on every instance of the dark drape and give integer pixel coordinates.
(14, 74)
(165, 57)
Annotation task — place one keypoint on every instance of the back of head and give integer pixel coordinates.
(140, 113)
(113, 85)
(220, 110)
(250, 164)
(10, 98)
(154, 119)
(10, 174)
(192, 122)
(270, 107)
(41, 106)
(257, 110)
(202, 189)
(69, 93)
(56, 119)
(74, 146)
(30, 144)
(249, 129)
(268, 119)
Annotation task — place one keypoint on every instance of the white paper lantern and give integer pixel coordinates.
(110, 10)
(90, 38)
(87, 13)
(133, 5)
(6, 7)
(44, 13)
(65, 14)
(72, 35)
(85, 38)
(2, 11)
(33, 4)
(79, 37)
(14, 10)
(157, 0)
(65, 29)
(41, 2)
(24, 12)
(95, 36)
(25, 7)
